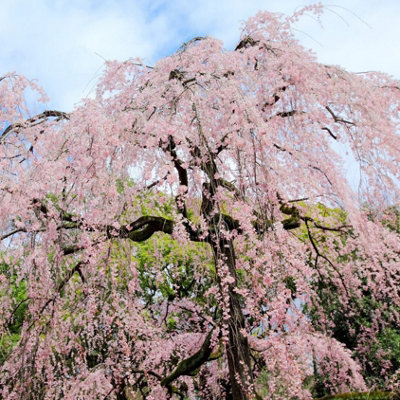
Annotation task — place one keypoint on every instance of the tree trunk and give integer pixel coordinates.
(238, 353)
(237, 349)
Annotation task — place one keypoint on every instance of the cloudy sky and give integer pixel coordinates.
(63, 43)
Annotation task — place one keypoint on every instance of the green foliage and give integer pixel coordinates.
(175, 277)
(391, 219)
(20, 306)
(389, 343)
(7, 343)
(348, 327)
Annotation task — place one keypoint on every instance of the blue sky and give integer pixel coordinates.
(63, 43)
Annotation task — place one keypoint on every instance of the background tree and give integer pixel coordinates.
(212, 294)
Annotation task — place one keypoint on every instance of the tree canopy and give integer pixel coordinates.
(191, 232)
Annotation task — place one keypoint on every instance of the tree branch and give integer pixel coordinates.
(330, 132)
(13, 232)
(246, 42)
(336, 118)
(36, 120)
(189, 365)
(319, 254)
(141, 229)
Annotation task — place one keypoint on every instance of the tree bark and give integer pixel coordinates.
(237, 349)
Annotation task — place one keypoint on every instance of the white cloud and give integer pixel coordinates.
(62, 43)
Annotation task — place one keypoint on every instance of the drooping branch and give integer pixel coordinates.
(186, 45)
(319, 254)
(68, 250)
(36, 120)
(338, 119)
(285, 114)
(138, 231)
(229, 186)
(294, 212)
(322, 172)
(246, 42)
(192, 363)
(141, 229)
(59, 289)
(145, 226)
(11, 233)
(331, 134)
